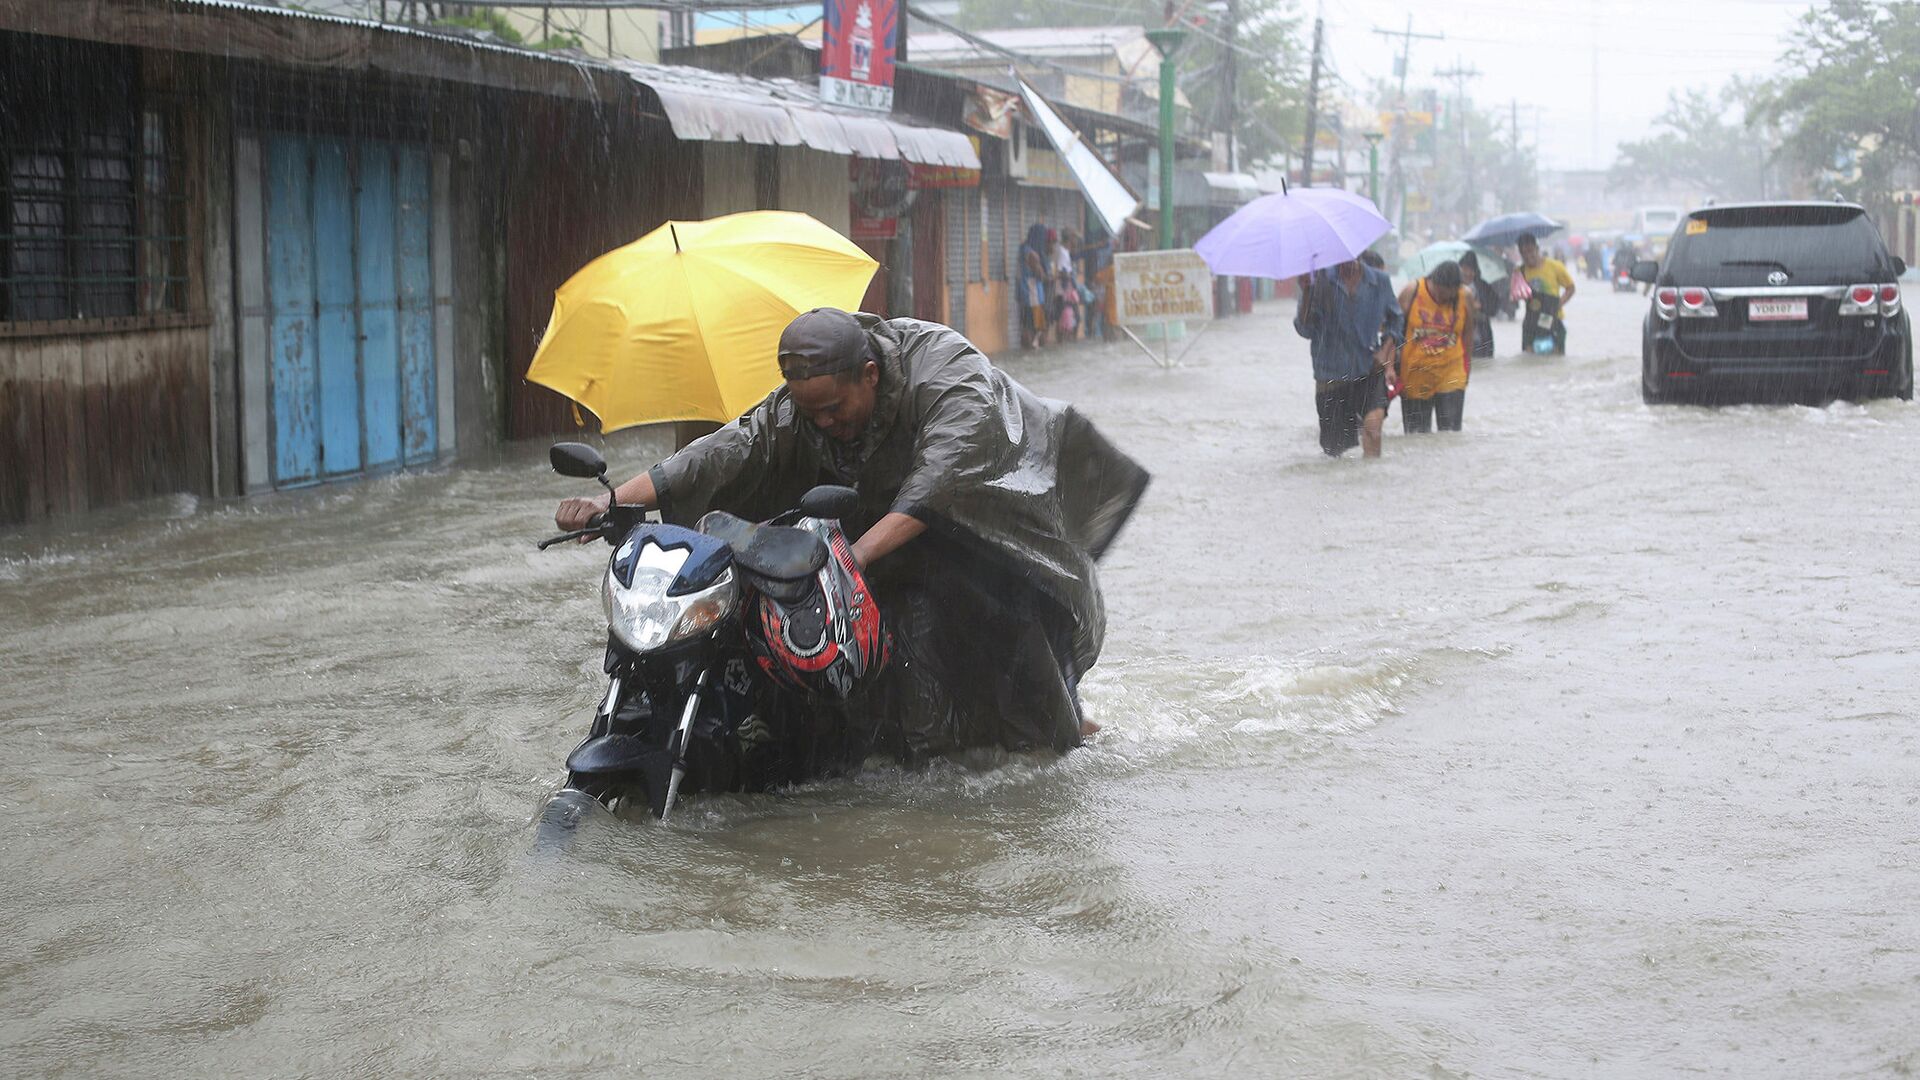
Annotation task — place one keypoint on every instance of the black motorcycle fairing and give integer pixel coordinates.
(707, 557)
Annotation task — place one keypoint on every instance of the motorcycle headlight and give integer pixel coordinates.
(644, 617)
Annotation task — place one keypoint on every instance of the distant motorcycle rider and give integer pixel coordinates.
(983, 509)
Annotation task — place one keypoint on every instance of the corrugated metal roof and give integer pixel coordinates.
(473, 41)
(712, 106)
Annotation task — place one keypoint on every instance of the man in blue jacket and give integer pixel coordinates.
(1352, 318)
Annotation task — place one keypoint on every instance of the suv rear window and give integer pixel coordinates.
(1801, 239)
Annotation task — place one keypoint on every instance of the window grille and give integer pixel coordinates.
(93, 208)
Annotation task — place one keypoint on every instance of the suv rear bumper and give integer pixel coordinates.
(1875, 371)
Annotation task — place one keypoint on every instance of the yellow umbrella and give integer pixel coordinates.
(683, 323)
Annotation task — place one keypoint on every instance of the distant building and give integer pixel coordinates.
(1122, 66)
(1586, 200)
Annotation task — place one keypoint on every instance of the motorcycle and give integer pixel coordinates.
(1541, 331)
(729, 650)
(1623, 280)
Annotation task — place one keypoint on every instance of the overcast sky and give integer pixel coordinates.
(1544, 54)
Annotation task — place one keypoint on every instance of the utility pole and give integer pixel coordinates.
(1233, 85)
(1167, 40)
(1460, 73)
(1313, 107)
(1400, 111)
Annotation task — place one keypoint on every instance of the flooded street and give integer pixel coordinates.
(1579, 744)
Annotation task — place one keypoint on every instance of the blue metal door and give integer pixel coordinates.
(296, 404)
(419, 403)
(349, 234)
(379, 306)
(335, 327)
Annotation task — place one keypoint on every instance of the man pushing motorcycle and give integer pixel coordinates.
(983, 509)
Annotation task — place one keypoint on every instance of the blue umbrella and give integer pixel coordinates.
(1509, 228)
(1285, 235)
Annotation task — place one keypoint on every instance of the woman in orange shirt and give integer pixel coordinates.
(1433, 358)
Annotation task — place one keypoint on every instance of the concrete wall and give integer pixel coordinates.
(810, 181)
(817, 183)
(727, 169)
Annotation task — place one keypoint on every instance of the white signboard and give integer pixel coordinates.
(1161, 286)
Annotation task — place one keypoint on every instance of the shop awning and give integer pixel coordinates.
(1105, 192)
(1231, 188)
(715, 106)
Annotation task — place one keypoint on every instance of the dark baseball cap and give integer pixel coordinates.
(824, 341)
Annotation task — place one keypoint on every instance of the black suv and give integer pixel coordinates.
(1795, 300)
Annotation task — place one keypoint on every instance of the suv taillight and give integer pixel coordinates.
(1697, 303)
(1889, 300)
(1865, 299)
(1665, 299)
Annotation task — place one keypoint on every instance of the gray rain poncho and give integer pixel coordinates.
(996, 609)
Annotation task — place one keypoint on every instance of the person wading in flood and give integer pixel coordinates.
(1485, 303)
(982, 511)
(1433, 360)
(1552, 291)
(1350, 316)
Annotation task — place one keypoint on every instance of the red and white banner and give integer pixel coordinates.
(856, 53)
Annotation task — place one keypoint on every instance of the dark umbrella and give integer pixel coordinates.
(1509, 228)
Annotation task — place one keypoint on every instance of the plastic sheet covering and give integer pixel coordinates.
(1109, 196)
(870, 136)
(997, 608)
(713, 106)
(823, 131)
(930, 146)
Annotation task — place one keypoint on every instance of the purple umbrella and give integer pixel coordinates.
(1286, 235)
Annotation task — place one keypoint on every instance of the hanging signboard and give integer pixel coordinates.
(930, 177)
(856, 53)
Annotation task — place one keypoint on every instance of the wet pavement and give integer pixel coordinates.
(1578, 744)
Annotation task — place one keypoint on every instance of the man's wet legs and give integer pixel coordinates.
(1370, 432)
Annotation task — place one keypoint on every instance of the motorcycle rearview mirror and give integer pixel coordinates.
(829, 501)
(577, 460)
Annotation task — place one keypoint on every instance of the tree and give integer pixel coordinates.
(1700, 146)
(1269, 58)
(1849, 102)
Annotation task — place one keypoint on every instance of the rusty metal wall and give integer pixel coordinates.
(95, 420)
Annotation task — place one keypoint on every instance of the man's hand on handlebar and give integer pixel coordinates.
(574, 513)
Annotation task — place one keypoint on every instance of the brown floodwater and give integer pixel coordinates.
(1579, 744)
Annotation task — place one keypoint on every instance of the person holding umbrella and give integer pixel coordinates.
(1352, 319)
(1552, 288)
(1485, 303)
(1348, 312)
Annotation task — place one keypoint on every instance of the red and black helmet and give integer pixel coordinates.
(824, 635)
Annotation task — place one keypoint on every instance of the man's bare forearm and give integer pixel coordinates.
(888, 535)
(638, 491)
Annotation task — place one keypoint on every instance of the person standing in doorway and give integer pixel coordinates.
(1433, 359)
(1350, 316)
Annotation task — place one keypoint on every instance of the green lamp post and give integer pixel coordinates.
(1167, 40)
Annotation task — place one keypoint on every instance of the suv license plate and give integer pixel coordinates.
(1776, 310)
